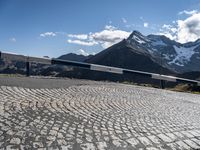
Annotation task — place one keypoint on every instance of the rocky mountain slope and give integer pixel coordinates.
(170, 54)
(124, 56)
(74, 57)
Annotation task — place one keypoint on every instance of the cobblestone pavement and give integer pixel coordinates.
(104, 116)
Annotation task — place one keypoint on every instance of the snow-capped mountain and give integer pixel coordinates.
(171, 54)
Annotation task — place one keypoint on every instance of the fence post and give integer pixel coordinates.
(162, 84)
(27, 67)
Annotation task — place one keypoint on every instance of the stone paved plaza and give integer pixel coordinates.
(98, 116)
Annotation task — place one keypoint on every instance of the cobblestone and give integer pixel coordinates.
(104, 116)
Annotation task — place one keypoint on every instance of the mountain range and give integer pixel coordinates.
(74, 57)
(173, 55)
(152, 53)
(147, 53)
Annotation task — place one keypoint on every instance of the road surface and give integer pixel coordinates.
(46, 113)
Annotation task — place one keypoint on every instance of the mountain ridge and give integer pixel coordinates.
(121, 55)
(179, 57)
(151, 53)
(74, 57)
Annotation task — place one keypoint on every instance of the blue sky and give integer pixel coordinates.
(56, 27)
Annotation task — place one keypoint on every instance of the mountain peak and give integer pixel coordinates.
(197, 41)
(137, 37)
(136, 33)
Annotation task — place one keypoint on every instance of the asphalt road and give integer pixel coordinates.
(80, 114)
(42, 82)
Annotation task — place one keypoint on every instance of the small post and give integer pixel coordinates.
(27, 67)
(162, 84)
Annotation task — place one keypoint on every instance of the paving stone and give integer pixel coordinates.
(98, 116)
(165, 138)
(183, 145)
(192, 144)
(145, 141)
(15, 141)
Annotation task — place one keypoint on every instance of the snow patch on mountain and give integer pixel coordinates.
(183, 56)
(176, 56)
(139, 40)
(158, 43)
(166, 56)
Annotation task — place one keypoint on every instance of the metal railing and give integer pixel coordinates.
(95, 67)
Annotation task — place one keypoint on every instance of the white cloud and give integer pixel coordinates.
(169, 31)
(174, 22)
(48, 34)
(124, 20)
(146, 24)
(13, 39)
(166, 26)
(141, 18)
(109, 27)
(107, 37)
(185, 30)
(82, 52)
(107, 44)
(188, 12)
(78, 36)
(85, 43)
(189, 29)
